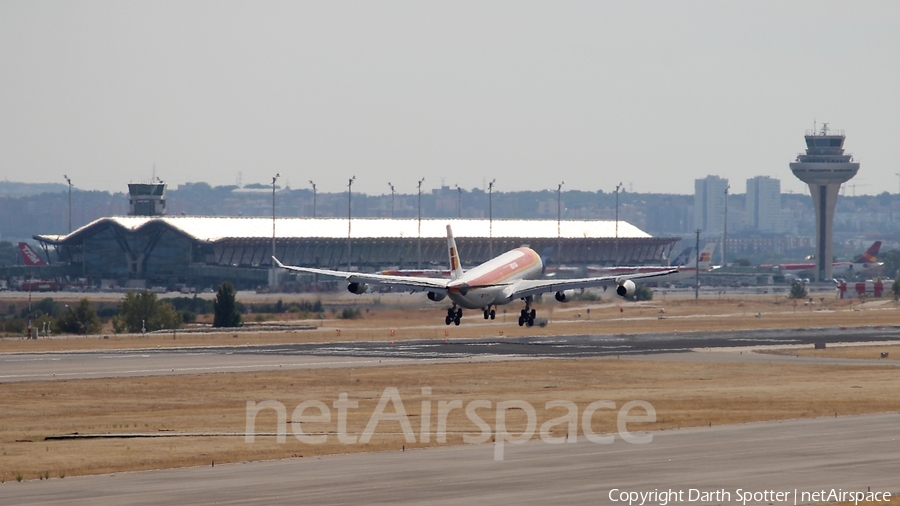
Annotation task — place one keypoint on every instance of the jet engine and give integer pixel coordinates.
(435, 296)
(565, 295)
(626, 288)
(357, 288)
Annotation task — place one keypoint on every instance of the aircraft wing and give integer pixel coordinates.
(527, 287)
(432, 284)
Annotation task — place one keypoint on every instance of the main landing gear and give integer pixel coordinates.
(489, 313)
(528, 314)
(454, 314)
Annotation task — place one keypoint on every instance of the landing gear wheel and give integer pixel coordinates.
(532, 315)
(521, 321)
(487, 314)
(458, 313)
(456, 320)
(447, 320)
(493, 314)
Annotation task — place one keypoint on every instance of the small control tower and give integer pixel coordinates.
(147, 199)
(824, 168)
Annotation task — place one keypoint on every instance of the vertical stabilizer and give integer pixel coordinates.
(870, 256)
(31, 257)
(455, 265)
(706, 255)
(683, 258)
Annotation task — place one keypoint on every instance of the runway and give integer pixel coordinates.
(849, 453)
(199, 360)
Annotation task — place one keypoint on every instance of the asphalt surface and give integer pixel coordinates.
(198, 360)
(857, 453)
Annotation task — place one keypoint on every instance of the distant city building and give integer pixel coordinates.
(709, 204)
(763, 204)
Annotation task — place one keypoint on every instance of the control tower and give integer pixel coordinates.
(147, 199)
(824, 168)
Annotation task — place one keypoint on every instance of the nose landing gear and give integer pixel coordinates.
(489, 313)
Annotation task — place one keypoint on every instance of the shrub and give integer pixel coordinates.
(226, 311)
(350, 313)
(641, 292)
(82, 319)
(798, 290)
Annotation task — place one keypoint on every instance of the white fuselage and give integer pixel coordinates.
(492, 282)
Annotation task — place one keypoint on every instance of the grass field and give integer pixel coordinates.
(683, 394)
(408, 317)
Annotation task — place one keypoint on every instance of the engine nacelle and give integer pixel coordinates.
(357, 288)
(436, 296)
(565, 295)
(626, 288)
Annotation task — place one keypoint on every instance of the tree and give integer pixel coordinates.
(143, 311)
(82, 319)
(225, 312)
(9, 254)
(798, 290)
(891, 265)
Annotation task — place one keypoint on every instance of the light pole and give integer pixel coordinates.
(725, 231)
(618, 187)
(70, 201)
(392, 199)
(697, 266)
(558, 223)
(274, 282)
(491, 218)
(349, 216)
(459, 202)
(314, 197)
(420, 222)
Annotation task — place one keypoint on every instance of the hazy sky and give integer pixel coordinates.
(652, 94)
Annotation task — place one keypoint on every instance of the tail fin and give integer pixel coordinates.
(683, 258)
(455, 265)
(870, 256)
(31, 256)
(706, 255)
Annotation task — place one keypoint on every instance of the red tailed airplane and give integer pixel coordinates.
(863, 262)
(31, 257)
(501, 280)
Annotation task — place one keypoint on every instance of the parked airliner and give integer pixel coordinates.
(501, 280)
(866, 261)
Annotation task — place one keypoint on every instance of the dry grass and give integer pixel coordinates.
(408, 317)
(683, 394)
(873, 351)
(895, 501)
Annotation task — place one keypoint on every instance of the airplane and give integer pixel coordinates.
(865, 261)
(686, 262)
(503, 279)
(31, 257)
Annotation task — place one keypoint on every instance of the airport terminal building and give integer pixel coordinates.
(150, 249)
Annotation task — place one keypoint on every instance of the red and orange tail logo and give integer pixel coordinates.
(454, 259)
(871, 254)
